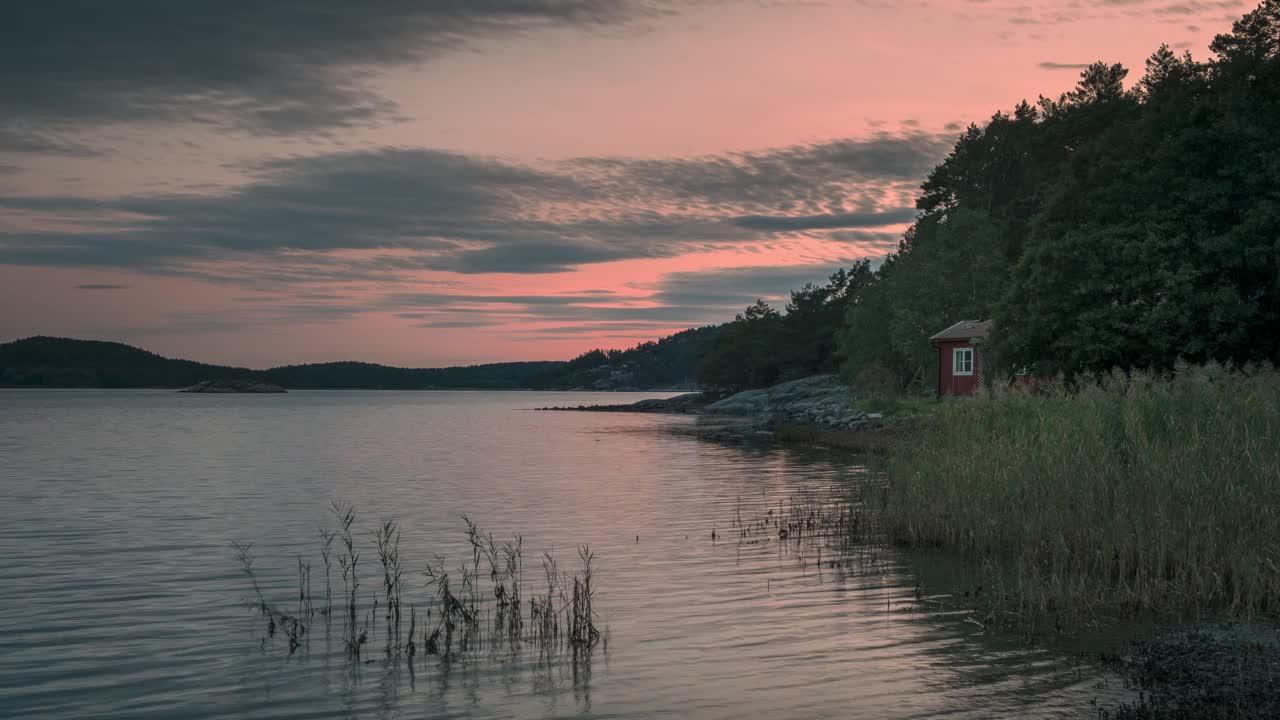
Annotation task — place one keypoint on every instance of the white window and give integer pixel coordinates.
(962, 361)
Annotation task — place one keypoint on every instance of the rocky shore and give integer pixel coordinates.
(1211, 671)
(821, 402)
(818, 409)
(233, 386)
(686, 404)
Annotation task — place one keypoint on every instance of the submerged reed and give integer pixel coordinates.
(460, 615)
(1134, 494)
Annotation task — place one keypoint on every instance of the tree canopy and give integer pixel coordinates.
(1108, 227)
(763, 346)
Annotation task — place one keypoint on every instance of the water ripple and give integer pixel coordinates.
(120, 598)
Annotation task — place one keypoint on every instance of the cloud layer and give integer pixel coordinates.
(281, 177)
(400, 210)
(284, 66)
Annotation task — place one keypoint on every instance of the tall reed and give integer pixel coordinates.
(461, 616)
(1132, 494)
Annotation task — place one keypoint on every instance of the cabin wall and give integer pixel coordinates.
(948, 382)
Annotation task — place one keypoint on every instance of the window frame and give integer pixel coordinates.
(955, 361)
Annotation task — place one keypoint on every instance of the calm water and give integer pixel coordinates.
(120, 598)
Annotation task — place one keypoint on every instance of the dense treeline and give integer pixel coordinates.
(321, 376)
(62, 362)
(763, 346)
(1109, 227)
(58, 362)
(669, 362)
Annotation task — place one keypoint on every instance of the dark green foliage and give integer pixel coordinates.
(762, 346)
(1106, 228)
(950, 267)
(494, 376)
(814, 318)
(1161, 239)
(669, 362)
(59, 362)
(62, 362)
(745, 353)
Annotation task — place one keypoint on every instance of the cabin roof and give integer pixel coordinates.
(964, 330)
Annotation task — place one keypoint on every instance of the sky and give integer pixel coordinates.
(439, 182)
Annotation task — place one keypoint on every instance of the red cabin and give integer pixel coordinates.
(961, 361)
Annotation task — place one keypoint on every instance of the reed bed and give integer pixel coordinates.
(1132, 494)
(823, 529)
(476, 605)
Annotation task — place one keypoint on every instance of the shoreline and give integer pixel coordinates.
(348, 389)
(817, 410)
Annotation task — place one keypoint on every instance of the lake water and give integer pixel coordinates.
(121, 598)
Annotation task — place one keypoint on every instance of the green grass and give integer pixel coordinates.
(1136, 494)
(910, 406)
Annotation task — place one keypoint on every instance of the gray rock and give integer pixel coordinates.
(820, 400)
(233, 386)
(680, 404)
(749, 402)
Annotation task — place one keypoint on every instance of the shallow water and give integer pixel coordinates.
(120, 596)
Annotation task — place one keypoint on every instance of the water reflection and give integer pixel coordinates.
(123, 600)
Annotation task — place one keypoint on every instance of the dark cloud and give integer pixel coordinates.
(101, 286)
(1048, 65)
(456, 324)
(1054, 12)
(19, 138)
(775, 223)
(683, 299)
(418, 200)
(732, 289)
(883, 240)
(809, 178)
(680, 299)
(455, 299)
(529, 258)
(648, 329)
(283, 66)
(412, 209)
(1197, 8)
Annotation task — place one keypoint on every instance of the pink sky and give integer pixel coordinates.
(503, 185)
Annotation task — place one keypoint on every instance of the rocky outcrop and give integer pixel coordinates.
(1205, 671)
(680, 405)
(233, 386)
(816, 404)
(820, 401)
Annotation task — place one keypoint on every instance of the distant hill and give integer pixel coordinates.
(69, 363)
(359, 375)
(61, 362)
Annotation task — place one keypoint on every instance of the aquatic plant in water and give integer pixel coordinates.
(477, 605)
